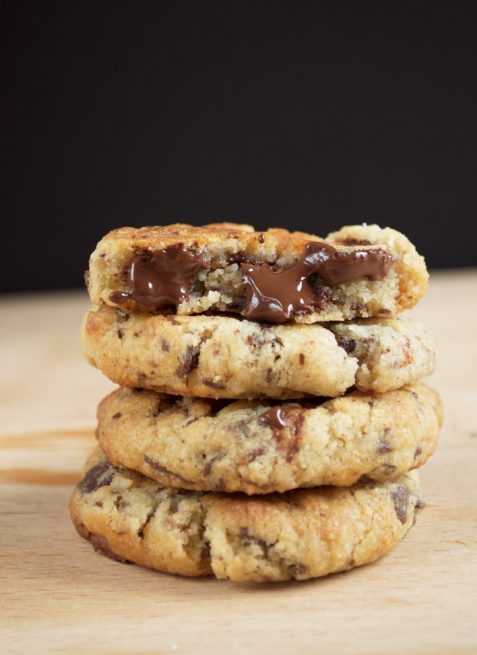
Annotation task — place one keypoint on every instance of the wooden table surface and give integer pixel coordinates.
(57, 595)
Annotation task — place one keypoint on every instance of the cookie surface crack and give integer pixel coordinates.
(149, 517)
(164, 471)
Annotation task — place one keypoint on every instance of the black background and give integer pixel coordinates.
(301, 115)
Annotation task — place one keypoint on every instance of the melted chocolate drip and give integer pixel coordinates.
(275, 295)
(161, 278)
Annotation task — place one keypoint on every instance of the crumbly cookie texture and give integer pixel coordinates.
(300, 535)
(256, 447)
(219, 285)
(224, 357)
(390, 352)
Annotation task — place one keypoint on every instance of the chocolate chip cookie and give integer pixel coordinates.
(297, 535)
(273, 275)
(259, 447)
(225, 357)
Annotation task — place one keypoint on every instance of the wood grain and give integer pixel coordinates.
(58, 596)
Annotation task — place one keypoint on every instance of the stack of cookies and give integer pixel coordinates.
(269, 415)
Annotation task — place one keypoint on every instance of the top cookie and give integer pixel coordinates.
(274, 276)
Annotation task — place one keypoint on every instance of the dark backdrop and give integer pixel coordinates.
(305, 115)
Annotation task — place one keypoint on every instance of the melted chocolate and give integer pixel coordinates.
(290, 416)
(276, 418)
(276, 294)
(161, 278)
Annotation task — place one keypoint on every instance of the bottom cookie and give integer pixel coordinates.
(297, 535)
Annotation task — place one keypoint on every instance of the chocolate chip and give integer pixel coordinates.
(297, 571)
(150, 516)
(359, 308)
(384, 447)
(163, 470)
(294, 445)
(99, 476)
(213, 385)
(369, 340)
(120, 503)
(208, 467)
(241, 428)
(210, 463)
(253, 454)
(247, 539)
(188, 361)
(417, 452)
(244, 534)
(321, 293)
(263, 336)
(261, 238)
(347, 344)
(235, 257)
(400, 497)
(301, 358)
(120, 333)
(101, 545)
(117, 415)
(165, 345)
(350, 241)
